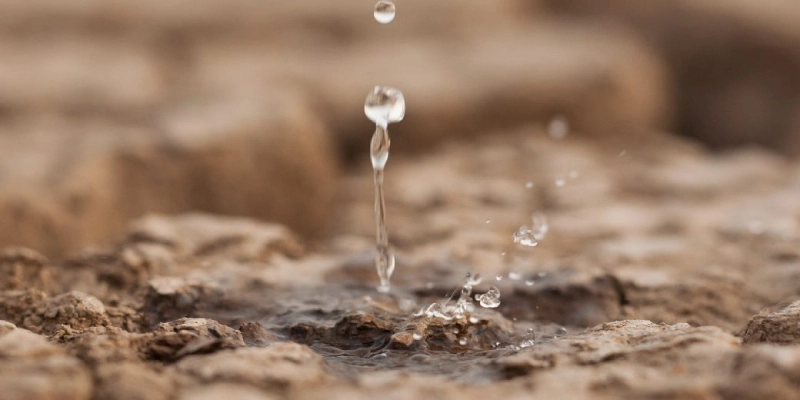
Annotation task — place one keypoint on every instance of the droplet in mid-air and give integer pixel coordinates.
(384, 11)
(558, 128)
(490, 299)
(385, 105)
(530, 236)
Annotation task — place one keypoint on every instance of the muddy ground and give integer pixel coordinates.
(657, 260)
(186, 203)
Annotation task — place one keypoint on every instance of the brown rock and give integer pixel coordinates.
(224, 390)
(735, 64)
(779, 325)
(31, 368)
(235, 158)
(130, 381)
(24, 269)
(276, 367)
(187, 336)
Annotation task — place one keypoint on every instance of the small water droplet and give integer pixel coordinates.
(474, 280)
(529, 282)
(380, 356)
(384, 11)
(531, 236)
(456, 330)
(560, 182)
(490, 299)
(529, 185)
(498, 277)
(417, 336)
(558, 128)
(474, 320)
(561, 331)
(462, 341)
(514, 276)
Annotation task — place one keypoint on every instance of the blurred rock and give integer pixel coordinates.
(779, 325)
(82, 183)
(130, 381)
(735, 63)
(31, 369)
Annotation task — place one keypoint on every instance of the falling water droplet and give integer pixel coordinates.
(558, 128)
(383, 106)
(462, 341)
(560, 182)
(540, 226)
(490, 299)
(384, 11)
(529, 283)
(514, 276)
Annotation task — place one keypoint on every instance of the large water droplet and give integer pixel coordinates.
(490, 299)
(384, 11)
(385, 105)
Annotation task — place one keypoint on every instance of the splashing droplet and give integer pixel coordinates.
(384, 11)
(530, 236)
(474, 280)
(530, 340)
(558, 128)
(490, 299)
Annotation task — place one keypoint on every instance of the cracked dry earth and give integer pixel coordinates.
(668, 272)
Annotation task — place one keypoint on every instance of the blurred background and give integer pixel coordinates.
(112, 109)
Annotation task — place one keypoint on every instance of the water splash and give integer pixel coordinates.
(530, 236)
(384, 11)
(383, 106)
(490, 299)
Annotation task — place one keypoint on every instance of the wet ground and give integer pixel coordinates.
(657, 257)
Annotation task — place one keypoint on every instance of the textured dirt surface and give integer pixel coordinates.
(187, 213)
(645, 287)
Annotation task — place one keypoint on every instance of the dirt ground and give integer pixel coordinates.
(186, 200)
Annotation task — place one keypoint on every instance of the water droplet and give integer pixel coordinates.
(529, 282)
(558, 128)
(490, 299)
(498, 277)
(514, 276)
(456, 330)
(474, 320)
(529, 185)
(417, 336)
(561, 331)
(540, 226)
(384, 11)
(385, 105)
(488, 221)
(560, 182)
(462, 341)
(380, 356)
(474, 280)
